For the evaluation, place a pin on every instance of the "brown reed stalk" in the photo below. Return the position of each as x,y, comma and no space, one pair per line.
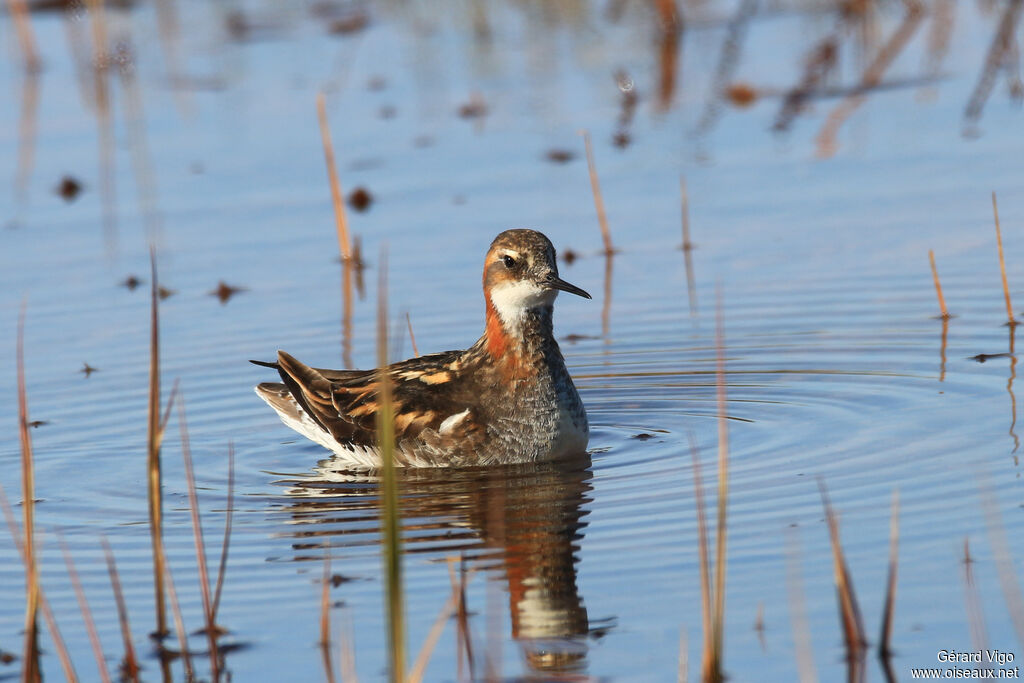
390,517
44,605
702,551
130,665
412,337
197,535
154,435
26,38
340,221
885,637
798,611
595,186
179,626
712,666
1002,264
30,656
325,616
853,626
228,518
938,287
83,606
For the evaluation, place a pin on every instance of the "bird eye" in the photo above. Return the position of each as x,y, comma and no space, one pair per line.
509,261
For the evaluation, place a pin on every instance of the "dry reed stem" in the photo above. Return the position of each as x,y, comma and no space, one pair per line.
340,221
595,186
412,337
26,38
1004,563
691,288
325,616
83,606
938,286
30,653
58,640
853,626
197,535
798,611
154,435
130,665
702,550
975,618
1002,264
228,518
389,494
44,605
885,636
179,626
718,614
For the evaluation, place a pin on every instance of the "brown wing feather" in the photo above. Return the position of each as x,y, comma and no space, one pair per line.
425,391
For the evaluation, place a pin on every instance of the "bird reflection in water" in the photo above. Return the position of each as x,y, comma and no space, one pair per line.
522,524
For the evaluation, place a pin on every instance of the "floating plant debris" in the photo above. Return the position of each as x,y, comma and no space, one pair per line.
69,188
741,94
224,291
569,256
560,156
88,369
360,199
131,282
165,293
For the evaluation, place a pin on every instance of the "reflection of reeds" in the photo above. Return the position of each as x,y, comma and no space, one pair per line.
1001,44
30,656
691,287
872,76
975,619
129,665
885,636
179,626
1002,264
83,606
26,38
944,312
325,615
392,549
419,667
228,517
1012,595
798,611
595,186
197,535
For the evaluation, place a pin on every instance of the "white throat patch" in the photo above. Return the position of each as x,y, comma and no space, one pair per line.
513,299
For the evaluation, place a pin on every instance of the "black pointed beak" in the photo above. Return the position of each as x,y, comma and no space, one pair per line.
558,283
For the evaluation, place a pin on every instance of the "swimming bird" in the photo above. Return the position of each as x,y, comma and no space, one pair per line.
506,399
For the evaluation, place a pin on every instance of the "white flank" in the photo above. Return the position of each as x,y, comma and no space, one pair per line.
452,421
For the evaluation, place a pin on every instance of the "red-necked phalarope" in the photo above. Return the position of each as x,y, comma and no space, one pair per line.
506,399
